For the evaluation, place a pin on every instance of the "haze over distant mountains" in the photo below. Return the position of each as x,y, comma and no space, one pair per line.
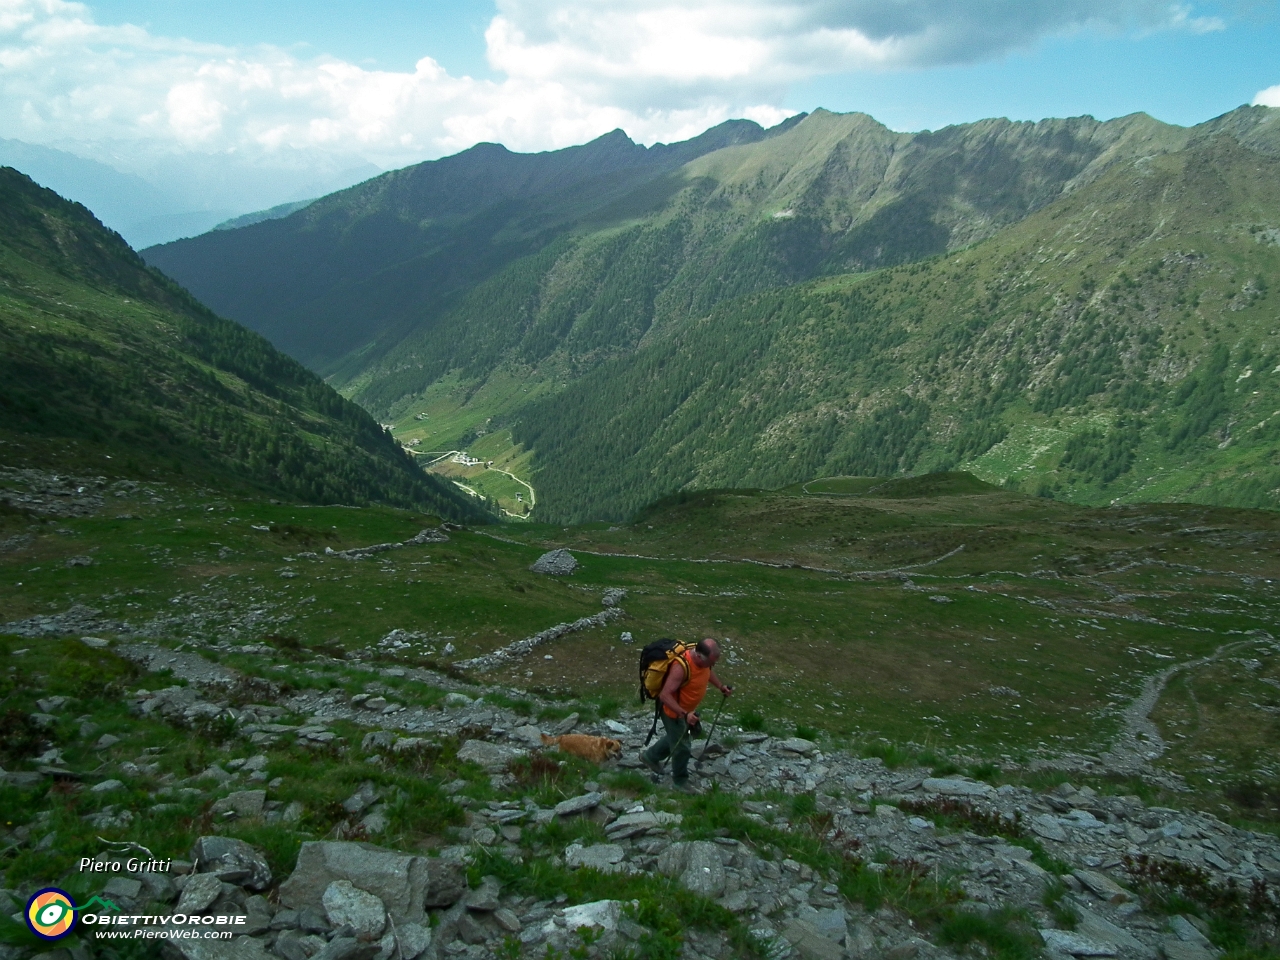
179,197
1078,307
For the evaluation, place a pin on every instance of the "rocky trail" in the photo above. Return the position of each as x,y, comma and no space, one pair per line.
350,898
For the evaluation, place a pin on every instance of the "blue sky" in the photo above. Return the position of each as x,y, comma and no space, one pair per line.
1178,74
242,85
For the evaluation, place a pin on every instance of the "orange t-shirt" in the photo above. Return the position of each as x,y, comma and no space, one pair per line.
694,687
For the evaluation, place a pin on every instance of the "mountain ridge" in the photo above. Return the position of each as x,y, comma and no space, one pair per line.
553,296
104,352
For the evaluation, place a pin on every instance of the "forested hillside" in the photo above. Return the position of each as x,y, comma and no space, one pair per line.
346,279
1121,343
558,260
97,347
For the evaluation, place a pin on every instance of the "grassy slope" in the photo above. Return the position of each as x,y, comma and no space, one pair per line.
1056,615
105,359
835,192
340,282
1119,344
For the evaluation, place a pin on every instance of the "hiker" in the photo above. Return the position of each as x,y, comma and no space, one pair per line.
682,692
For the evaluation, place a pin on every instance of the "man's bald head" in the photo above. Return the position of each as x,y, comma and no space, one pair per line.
709,650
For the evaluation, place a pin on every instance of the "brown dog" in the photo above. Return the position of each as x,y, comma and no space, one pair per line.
595,749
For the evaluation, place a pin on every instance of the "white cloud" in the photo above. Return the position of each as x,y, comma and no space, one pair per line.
754,48
1269,97
573,69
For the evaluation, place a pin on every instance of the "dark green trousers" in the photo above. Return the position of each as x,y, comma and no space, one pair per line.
676,745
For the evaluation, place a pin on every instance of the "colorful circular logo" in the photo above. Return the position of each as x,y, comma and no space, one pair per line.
51,913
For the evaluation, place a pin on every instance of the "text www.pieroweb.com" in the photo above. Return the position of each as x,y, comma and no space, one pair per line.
174,927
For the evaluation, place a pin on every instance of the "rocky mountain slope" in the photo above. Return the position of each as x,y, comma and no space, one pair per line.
794,849
965,721
104,360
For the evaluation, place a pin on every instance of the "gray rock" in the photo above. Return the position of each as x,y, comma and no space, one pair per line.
798,745
313,920
697,864
565,725
527,733
953,787
122,887
604,914
347,948
296,945
241,948
906,950
1183,930
365,797
492,756
243,803
1065,941
470,930
412,940
198,893
579,804
375,822
105,741
605,857
630,825
483,899
1183,950
1170,830
1043,825
507,920
347,905
259,915
106,786
233,861
831,923
1102,886
559,563
405,883
810,942
378,740
160,886
1101,930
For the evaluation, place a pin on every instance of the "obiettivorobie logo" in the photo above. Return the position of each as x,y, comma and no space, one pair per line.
51,913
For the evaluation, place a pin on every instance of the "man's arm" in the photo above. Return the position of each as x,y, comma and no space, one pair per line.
670,694
722,687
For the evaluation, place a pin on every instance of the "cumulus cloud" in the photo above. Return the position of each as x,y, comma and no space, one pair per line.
570,70
717,47
1269,97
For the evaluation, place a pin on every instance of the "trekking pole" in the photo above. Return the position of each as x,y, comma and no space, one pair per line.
714,722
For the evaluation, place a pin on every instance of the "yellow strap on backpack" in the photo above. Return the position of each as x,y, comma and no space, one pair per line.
655,674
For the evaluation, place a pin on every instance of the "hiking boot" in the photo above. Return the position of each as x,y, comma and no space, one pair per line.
654,768
684,786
